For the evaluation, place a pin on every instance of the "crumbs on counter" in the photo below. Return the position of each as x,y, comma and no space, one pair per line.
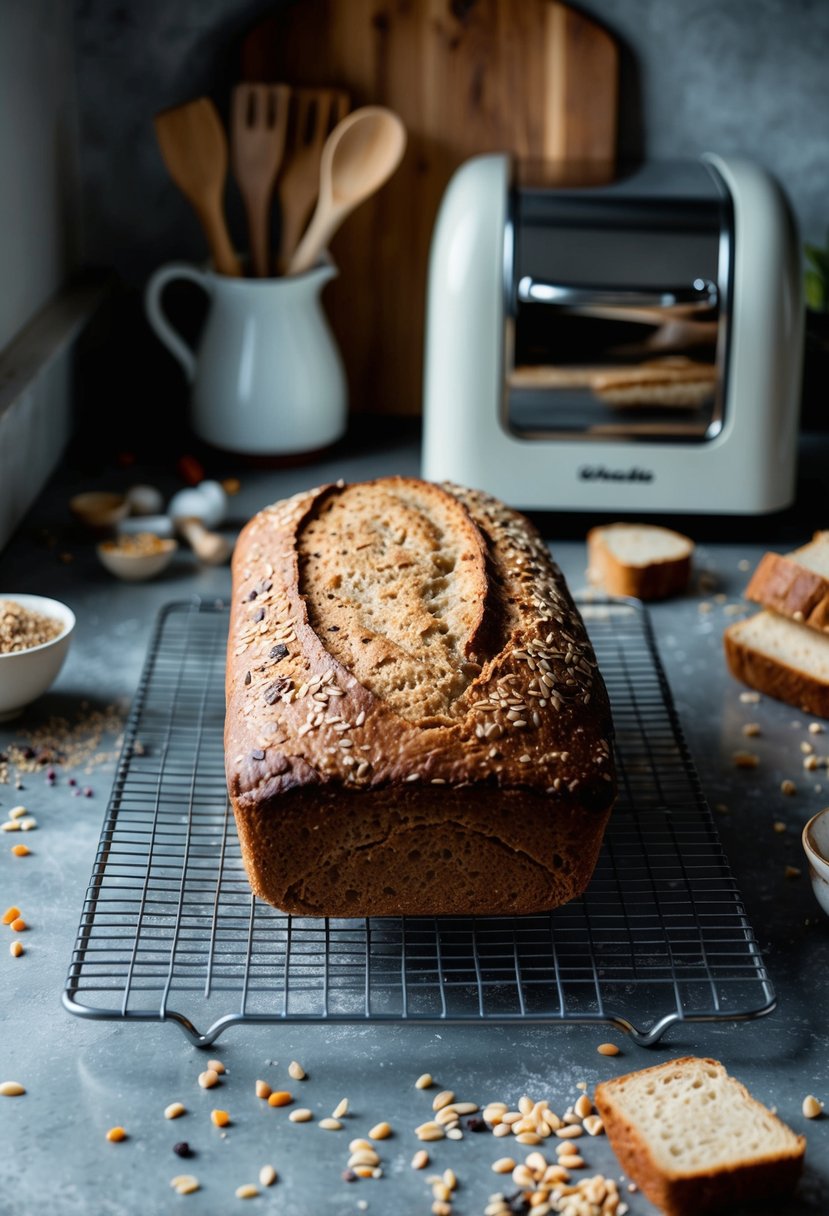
93,738
745,759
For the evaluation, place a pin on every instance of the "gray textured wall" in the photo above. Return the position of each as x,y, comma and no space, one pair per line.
740,76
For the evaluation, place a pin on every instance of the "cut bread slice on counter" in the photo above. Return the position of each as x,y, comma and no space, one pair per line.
642,560
796,584
694,1140
781,658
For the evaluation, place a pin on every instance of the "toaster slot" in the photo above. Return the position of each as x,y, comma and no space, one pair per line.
617,313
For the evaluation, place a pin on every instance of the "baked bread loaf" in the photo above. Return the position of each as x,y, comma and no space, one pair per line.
781,658
694,1140
796,584
642,560
415,721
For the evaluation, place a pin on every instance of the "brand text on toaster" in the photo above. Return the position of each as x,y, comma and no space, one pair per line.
599,472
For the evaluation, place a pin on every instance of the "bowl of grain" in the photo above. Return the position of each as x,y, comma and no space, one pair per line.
34,640
816,848
138,556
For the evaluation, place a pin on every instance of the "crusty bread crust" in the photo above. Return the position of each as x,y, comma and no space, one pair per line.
497,806
715,1190
781,583
773,677
656,581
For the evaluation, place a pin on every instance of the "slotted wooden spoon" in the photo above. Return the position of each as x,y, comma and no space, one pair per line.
194,148
315,113
259,122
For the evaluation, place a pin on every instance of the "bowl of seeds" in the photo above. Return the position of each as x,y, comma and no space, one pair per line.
138,556
34,640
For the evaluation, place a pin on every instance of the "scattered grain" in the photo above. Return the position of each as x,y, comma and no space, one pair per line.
175,1110
607,1049
208,1078
296,1072
504,1165
248,1191
750,698
116,1134
779,826
380,1131
420,1159
217,1066
280,1097
424,1081
19,925
341,1109
745,760
816,728
11,1089
184,1184
812,1107
220,1118
330,1125
788,787
20,850
442,1099
16,949
267,1175
10,914
263,1090
300,1115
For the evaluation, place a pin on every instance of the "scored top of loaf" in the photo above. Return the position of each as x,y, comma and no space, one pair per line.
399,631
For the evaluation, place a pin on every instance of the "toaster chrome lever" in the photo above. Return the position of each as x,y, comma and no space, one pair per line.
702,295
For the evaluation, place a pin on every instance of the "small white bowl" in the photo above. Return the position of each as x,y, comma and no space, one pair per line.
816,848
137,567
27,674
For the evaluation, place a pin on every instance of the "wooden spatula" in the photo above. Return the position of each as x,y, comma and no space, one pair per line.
259,122
194,148
315,113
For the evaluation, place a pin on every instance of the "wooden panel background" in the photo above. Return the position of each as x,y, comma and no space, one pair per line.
532,77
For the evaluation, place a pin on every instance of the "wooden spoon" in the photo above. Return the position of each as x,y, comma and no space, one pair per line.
194,148
315,112
259,121
360,154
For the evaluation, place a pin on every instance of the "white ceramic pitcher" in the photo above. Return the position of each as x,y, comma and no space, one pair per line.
267,378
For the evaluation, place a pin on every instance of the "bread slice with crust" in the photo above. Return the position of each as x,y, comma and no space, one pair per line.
694,1140
642,560
796,584
781,658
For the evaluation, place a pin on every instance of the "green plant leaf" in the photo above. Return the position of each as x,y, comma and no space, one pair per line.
815,288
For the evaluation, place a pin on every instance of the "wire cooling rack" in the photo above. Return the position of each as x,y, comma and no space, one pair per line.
170,930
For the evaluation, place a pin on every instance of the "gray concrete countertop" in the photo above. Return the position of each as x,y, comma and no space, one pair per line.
84,1077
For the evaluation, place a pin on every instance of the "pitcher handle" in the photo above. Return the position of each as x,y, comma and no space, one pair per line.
157,318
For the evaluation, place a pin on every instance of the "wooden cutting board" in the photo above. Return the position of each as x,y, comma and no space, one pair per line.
532,77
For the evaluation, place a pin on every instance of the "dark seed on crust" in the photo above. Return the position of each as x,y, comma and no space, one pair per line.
279,652
274,691
248,678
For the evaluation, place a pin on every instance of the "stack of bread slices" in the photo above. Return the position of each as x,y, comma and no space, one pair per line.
784,650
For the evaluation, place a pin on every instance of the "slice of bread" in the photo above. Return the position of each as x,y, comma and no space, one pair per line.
796,584
781,658
642,560
694,1139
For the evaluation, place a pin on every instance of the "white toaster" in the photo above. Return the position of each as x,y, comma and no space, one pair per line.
634,347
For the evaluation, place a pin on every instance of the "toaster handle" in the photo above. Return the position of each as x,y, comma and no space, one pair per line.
701,296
